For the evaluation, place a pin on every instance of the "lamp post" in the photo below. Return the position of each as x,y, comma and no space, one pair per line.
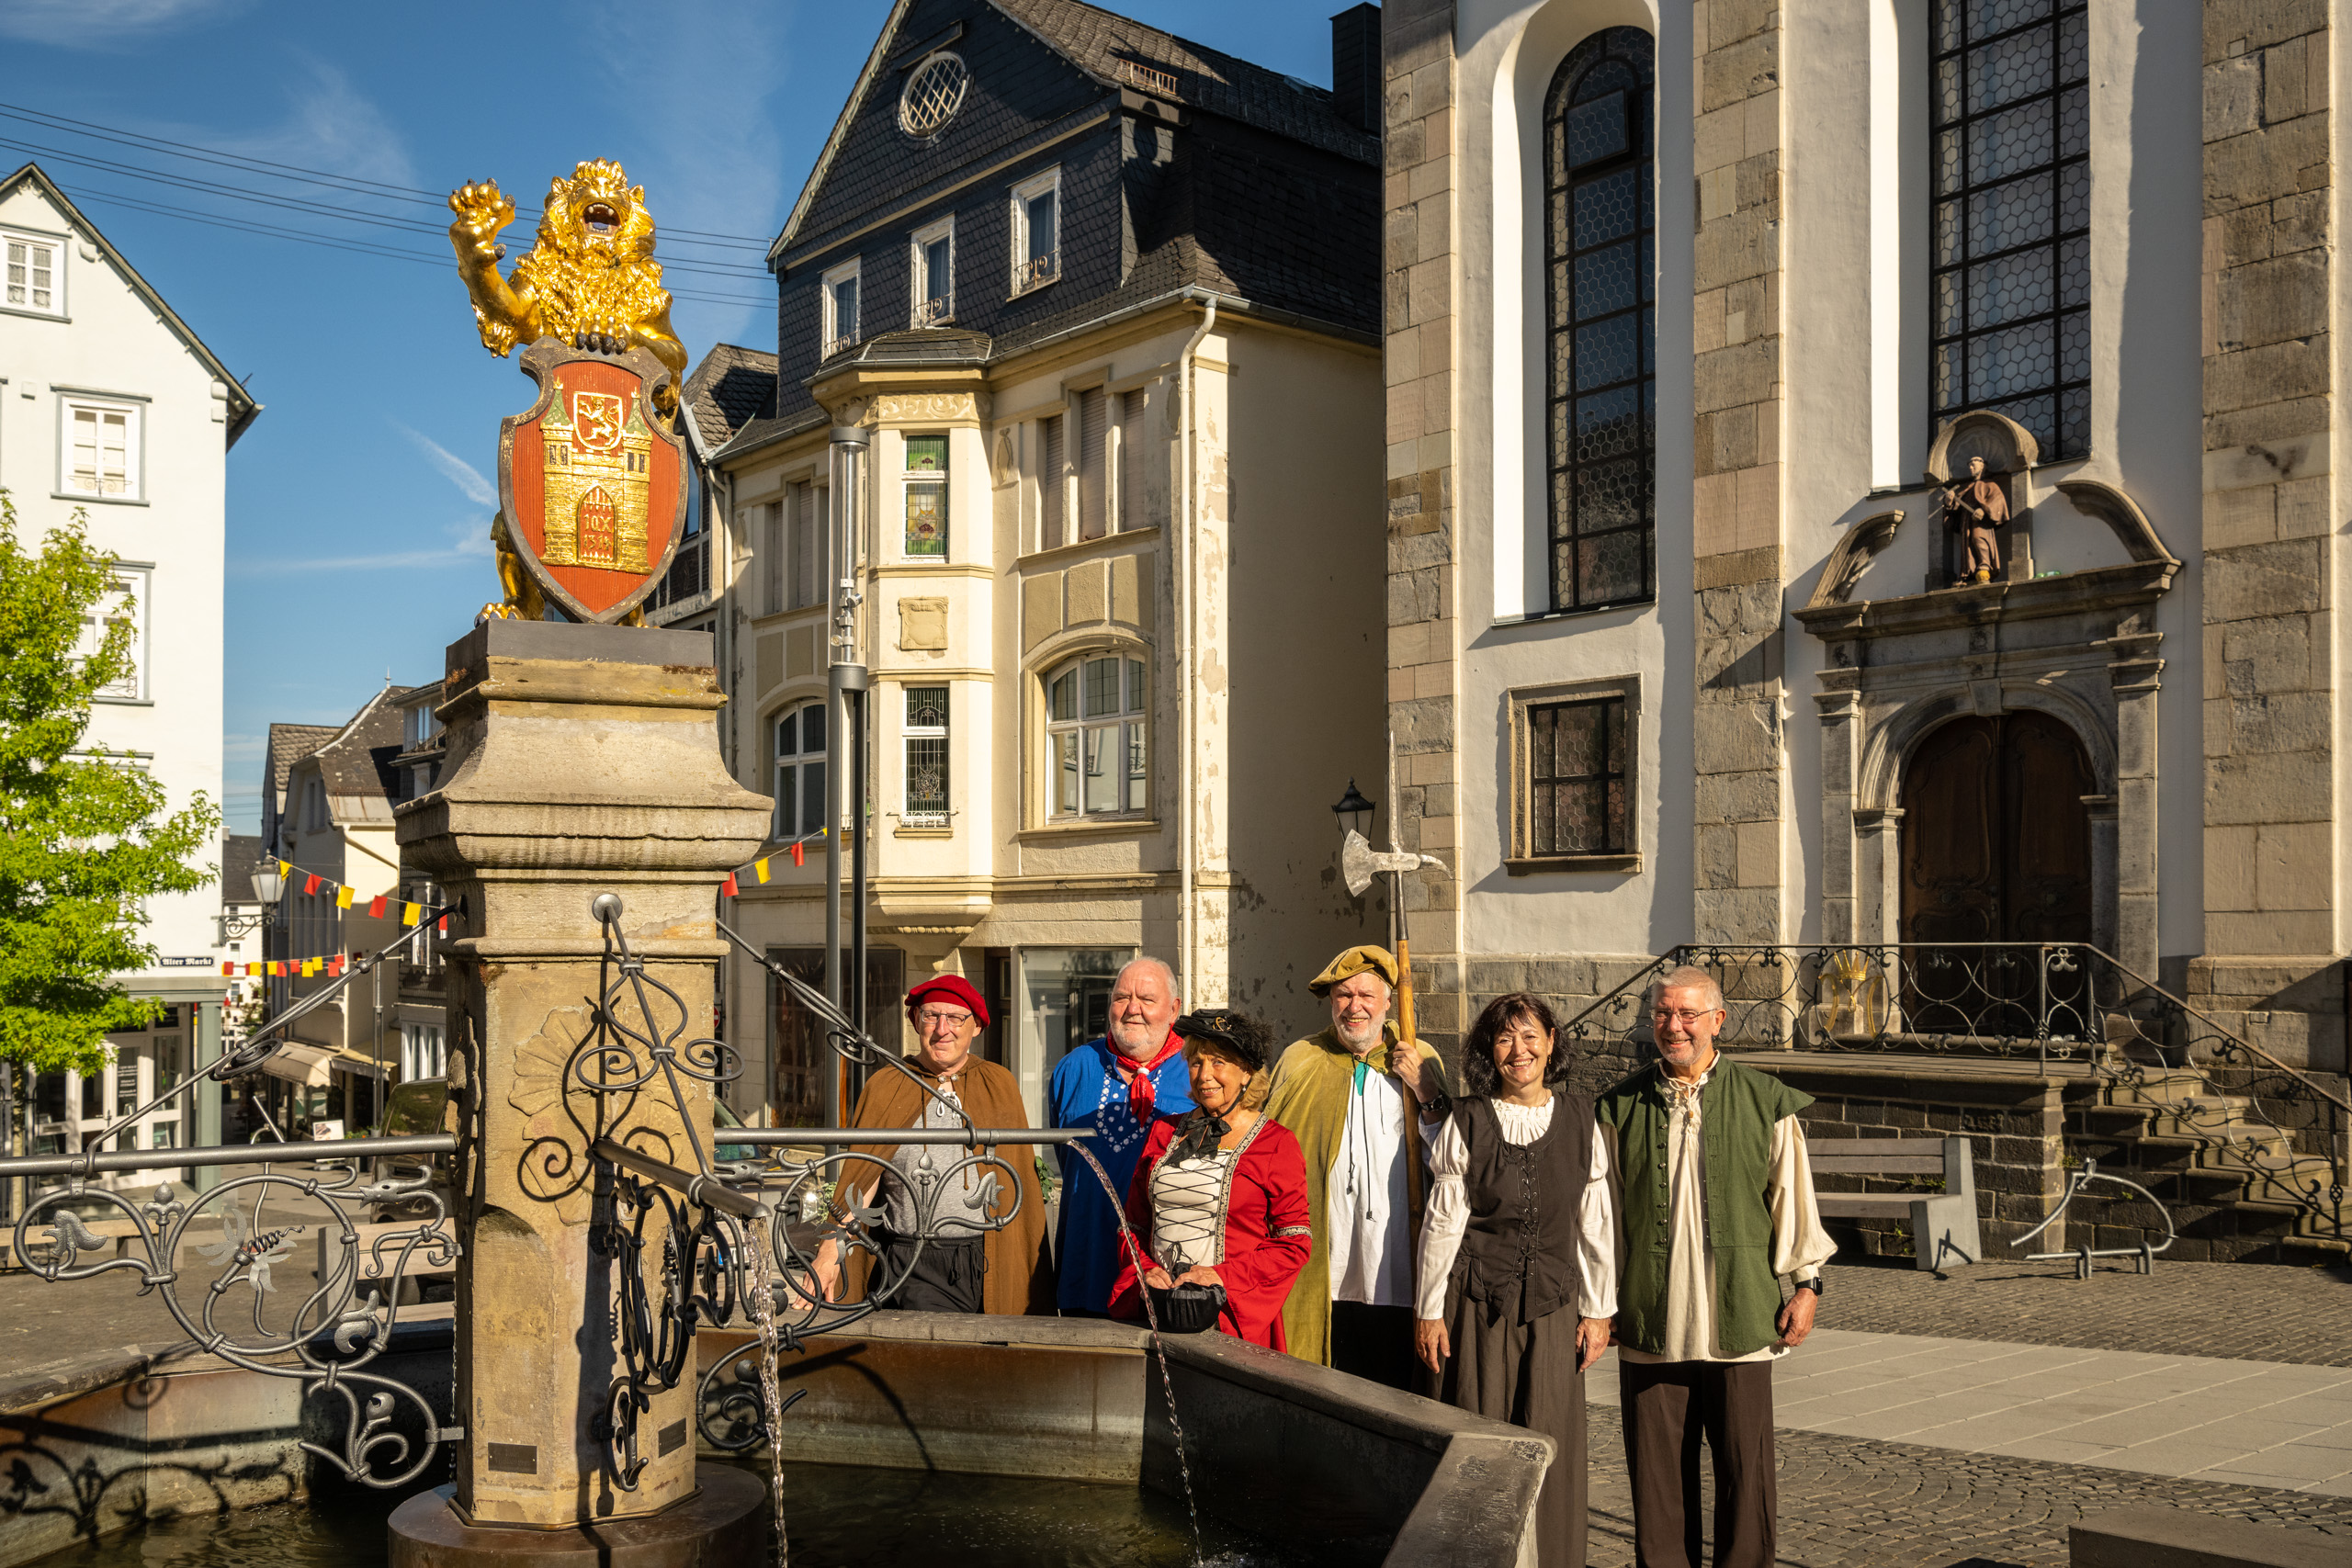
1360,863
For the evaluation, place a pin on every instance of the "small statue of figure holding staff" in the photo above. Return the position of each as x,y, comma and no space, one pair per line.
1980,506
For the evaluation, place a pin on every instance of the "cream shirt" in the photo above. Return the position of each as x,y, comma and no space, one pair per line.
1365,1211
1800,1247
1448,1215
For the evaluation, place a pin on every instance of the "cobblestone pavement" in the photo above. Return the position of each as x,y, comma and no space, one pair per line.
2248,1311
1850,1503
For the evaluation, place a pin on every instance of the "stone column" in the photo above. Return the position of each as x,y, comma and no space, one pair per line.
2272,560
582,760
1738,393
1842,712
2134,674
1421,271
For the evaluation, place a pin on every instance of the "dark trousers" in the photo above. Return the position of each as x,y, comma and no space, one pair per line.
1376,1343
948,1276
1668,1406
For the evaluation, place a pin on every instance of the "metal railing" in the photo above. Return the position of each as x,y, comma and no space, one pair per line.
2062,1005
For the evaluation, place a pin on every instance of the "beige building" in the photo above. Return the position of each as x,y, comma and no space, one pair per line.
1695,316
1080,315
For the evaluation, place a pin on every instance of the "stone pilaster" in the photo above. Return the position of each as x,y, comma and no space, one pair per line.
1419,279
581,760
1738,389
2270,563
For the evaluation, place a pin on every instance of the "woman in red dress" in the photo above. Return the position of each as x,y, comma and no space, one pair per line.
1219,1197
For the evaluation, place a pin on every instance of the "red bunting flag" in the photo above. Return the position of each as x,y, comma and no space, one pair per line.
375,906
312,884
444,925
799,856
228,969
334,965
729,887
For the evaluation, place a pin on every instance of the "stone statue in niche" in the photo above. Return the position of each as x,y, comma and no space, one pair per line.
1976,506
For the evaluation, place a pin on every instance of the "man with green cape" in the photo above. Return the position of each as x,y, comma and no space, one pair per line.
1356,1096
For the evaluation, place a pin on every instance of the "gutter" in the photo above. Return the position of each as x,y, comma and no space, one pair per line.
1187,716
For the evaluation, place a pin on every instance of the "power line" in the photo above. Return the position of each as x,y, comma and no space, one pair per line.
323,209
359,247
353,183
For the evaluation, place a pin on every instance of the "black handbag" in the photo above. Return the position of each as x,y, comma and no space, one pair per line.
1187,1309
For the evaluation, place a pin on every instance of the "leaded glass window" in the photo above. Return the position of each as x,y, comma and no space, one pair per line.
2010,103
1576,778
1601,316
926,737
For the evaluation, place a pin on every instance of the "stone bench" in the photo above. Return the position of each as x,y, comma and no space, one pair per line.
1943,1224
2170,1537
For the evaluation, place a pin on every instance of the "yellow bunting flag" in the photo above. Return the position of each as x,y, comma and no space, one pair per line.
760,869
343,898
285,868
411,913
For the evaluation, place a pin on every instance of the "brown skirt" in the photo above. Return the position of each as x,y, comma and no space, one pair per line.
1526,1373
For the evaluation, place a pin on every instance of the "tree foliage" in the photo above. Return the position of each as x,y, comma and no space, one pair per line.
83,836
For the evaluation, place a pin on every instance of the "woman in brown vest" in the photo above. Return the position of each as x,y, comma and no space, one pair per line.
1518,1278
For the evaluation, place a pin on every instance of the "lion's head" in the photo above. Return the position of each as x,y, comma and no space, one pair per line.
597,216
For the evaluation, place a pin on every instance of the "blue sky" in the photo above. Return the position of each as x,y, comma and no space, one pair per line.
359,502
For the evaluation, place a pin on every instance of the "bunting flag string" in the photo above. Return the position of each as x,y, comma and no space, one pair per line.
759,871
314,883
332,964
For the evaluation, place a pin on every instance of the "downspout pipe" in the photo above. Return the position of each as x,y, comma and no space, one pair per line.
1187,617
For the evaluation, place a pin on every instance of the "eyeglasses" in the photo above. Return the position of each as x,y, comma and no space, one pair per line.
1682,1016
932,1018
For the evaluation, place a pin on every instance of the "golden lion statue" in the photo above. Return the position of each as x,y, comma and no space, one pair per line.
591,281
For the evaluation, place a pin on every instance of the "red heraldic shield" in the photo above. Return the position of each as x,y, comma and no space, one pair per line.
593,479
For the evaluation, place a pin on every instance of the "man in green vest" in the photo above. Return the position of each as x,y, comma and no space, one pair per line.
1718,1202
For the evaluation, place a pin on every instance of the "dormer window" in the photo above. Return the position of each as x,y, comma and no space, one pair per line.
839,290
1037,231
932,269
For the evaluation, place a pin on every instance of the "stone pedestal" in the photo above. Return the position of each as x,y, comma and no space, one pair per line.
582,760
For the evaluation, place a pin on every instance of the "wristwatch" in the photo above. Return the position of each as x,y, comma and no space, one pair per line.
1813,1284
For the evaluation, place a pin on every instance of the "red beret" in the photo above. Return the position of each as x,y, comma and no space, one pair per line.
953,988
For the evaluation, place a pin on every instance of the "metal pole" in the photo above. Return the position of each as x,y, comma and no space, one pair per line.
204,1043
846,675
859,704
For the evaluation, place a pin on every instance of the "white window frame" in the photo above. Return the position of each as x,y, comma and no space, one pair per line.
1026,278
924,310
135,582
1067,738
57,245
798,760
833,334
915,733
70,408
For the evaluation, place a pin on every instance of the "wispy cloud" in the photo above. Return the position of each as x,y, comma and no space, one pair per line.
105,25
455,470
329,124
466,541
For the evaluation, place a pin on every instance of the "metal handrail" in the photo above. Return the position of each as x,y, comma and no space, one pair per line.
834,1136
324,1151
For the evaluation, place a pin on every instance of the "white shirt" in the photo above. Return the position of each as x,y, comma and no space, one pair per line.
1800,1247
1448,1215
1364,1205
1188,1198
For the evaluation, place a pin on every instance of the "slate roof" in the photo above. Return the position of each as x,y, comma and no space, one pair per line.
239,854
760,432
288,744
1096,40
358,763
731,387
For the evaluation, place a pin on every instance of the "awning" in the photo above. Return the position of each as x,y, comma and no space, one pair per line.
301,1063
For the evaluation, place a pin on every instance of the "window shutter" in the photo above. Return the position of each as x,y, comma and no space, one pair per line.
1134,443
1050,481
1093,455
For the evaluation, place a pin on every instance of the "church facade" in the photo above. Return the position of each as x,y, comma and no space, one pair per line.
1863,476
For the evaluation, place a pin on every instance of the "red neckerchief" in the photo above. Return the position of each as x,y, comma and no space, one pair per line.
1143,1094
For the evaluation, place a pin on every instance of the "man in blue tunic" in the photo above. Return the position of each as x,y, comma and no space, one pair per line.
1115,1086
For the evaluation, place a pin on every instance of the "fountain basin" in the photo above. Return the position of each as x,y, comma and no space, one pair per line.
1323,1467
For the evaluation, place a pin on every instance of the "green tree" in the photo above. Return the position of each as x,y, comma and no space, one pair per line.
84,838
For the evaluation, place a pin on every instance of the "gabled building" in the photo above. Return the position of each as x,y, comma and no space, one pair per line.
1076,385
111,406
334,823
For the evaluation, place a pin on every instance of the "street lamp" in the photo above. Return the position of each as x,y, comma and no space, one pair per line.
267,886
1353,811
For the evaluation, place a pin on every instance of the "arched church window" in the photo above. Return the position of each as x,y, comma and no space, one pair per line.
2009,108
1601,321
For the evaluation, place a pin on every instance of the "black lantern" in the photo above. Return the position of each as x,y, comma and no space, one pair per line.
1353,811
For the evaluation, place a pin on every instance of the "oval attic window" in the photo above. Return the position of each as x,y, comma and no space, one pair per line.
933,94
